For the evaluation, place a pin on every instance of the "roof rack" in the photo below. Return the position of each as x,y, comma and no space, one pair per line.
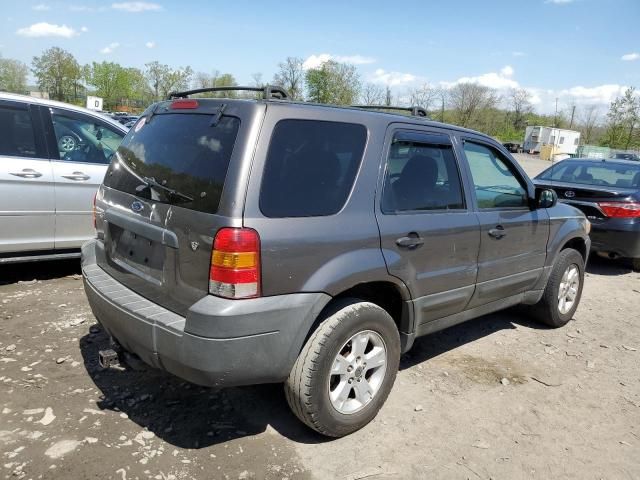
415,110
268,91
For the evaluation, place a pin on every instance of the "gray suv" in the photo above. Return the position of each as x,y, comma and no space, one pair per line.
251,241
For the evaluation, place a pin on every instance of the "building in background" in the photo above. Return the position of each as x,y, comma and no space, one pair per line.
557,140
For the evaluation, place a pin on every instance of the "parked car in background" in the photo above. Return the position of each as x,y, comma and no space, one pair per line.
513,147
608,192
626,156
253,241
53,156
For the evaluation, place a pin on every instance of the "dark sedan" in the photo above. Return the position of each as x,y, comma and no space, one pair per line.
608,192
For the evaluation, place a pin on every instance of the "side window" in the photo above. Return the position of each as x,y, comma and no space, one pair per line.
310,168
496,185
83,139
421,177
17,138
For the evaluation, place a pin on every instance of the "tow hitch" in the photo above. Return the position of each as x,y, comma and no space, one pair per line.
108,358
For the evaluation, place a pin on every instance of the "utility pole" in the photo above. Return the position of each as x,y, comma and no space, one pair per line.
555,118
573,112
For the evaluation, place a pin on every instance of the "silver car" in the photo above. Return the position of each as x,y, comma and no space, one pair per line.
53,157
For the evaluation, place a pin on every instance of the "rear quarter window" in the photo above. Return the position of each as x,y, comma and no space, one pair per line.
310,168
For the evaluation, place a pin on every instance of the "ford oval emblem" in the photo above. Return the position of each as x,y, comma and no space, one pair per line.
569,194
137,206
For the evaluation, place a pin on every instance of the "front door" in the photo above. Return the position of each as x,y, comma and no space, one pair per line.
27,208
513,236
429,236
81,152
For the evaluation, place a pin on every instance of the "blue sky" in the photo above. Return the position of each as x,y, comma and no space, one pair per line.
585,51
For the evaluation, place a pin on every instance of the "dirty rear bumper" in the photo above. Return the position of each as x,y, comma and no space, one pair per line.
219,343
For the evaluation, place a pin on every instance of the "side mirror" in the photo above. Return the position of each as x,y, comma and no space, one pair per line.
546,198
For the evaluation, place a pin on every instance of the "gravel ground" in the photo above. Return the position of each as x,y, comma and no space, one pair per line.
498,397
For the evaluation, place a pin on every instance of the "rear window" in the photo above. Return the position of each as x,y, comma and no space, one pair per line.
311,166
182,152
594,173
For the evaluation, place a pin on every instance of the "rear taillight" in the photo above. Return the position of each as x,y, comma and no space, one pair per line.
620,209
235,264
187,104
93,210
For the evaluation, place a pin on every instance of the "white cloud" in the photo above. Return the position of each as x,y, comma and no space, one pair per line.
136,7
498,80
41,7
150,44
109,48
84,29
559,2
314,61
354,59
44,29
603,94
630,57
85,8
393,79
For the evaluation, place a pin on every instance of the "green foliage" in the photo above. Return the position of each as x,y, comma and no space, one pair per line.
57,73
334,83
623,121
163,79
13,76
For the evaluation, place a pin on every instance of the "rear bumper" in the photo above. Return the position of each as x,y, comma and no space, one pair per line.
623,239
219,343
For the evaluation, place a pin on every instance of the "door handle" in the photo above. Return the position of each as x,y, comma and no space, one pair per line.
497,232
410,241
77,176
26,173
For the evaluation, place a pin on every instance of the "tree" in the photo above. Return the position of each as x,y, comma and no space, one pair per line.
468,99
588,122
291,77
333,82
423,96
622,120
111,81
13,76
372,94
163,79
57,72
520,106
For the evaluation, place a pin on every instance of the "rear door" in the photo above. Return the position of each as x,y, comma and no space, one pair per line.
26,181
159,243
513,236
430,237
80,147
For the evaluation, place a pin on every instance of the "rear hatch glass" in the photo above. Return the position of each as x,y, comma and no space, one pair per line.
179,159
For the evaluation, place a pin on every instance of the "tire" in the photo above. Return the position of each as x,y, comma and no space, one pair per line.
67,143
312,391
549,310
635,264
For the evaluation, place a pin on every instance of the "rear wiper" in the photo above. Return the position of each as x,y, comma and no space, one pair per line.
152,182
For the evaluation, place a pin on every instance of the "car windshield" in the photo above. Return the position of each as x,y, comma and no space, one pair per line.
594,173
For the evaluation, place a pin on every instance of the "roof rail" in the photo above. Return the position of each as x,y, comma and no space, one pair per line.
268,91
415,110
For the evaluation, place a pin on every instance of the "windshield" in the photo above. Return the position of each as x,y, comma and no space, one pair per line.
175,158
594,173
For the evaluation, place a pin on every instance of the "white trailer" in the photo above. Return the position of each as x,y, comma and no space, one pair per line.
562,141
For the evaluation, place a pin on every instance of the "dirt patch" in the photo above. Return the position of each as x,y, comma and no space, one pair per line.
570,409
